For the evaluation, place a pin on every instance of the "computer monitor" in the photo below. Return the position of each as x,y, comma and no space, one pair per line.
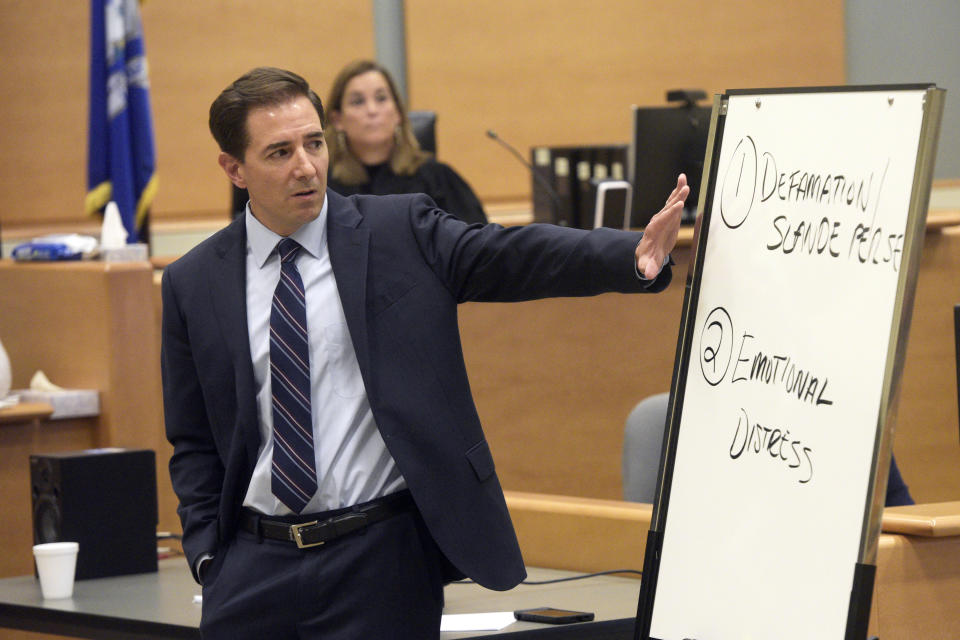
666,141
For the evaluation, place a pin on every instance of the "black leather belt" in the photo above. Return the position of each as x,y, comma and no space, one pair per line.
313,530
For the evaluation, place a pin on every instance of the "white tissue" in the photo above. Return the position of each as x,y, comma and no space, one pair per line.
40,382
112,233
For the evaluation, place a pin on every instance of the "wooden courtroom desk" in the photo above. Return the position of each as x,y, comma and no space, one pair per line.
160,605
18,440
25,412
916,591
917,585
87,325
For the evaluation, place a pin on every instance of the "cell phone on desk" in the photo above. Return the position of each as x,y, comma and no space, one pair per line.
550,615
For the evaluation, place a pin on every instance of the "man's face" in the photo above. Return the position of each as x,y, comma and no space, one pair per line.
284,168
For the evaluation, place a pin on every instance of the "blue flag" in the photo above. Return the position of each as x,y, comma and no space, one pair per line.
120,152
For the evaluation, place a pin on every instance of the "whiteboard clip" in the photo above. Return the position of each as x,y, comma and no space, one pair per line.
757,103
890,101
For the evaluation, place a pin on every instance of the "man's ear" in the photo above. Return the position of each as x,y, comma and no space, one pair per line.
233,168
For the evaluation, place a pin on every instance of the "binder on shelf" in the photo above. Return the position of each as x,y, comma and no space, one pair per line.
563,185
586,192
606,162
543,203
573,171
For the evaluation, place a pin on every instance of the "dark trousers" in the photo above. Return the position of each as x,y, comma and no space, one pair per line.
384,581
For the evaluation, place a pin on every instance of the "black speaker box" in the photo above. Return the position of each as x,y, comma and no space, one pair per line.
104,499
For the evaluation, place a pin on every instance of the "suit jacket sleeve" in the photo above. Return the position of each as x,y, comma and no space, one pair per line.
497,264
196,469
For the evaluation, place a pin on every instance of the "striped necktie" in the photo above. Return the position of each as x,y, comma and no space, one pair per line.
294,472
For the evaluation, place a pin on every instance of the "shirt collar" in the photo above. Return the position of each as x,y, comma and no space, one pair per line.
261,241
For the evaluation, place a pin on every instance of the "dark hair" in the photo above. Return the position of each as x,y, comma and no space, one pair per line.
344,166
260,87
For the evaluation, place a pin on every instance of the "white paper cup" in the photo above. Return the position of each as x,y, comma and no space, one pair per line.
56,565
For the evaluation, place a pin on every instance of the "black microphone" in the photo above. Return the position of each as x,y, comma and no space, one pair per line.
554,196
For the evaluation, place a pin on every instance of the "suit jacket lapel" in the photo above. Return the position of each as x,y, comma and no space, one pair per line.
348,242
228,294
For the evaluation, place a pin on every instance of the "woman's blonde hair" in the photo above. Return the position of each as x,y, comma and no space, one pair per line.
407,156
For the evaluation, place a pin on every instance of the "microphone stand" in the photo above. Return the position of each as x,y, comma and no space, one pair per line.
554,196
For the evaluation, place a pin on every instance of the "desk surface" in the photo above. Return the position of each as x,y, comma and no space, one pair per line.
934,520
159,605
25,412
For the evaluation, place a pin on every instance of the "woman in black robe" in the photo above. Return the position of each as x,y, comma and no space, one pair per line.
373,149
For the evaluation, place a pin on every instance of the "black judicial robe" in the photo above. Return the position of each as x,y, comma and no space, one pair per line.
448,190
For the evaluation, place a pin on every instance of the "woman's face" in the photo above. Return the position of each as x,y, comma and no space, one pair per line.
369,115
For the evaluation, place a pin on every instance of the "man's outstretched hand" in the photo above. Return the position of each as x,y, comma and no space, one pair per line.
660,234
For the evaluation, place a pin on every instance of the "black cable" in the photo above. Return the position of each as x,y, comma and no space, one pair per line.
567,579
581,577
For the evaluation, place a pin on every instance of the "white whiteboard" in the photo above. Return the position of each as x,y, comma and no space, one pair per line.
786,367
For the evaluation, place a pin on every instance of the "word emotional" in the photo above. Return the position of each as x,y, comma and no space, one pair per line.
779,369
717,343
813,212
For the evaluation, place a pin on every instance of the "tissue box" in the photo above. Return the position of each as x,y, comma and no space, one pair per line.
127,253
69,403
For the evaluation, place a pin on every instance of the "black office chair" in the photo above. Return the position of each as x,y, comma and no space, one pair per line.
642,443
424,124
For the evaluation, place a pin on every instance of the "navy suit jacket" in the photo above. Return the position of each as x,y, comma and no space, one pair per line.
402,266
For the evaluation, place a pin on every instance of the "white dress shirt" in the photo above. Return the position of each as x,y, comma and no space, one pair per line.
352,461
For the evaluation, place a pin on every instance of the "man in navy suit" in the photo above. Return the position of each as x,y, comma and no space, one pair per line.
405,497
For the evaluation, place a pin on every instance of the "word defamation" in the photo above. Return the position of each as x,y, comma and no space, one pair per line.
800,185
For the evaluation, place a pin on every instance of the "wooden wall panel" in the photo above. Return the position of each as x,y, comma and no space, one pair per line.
539,72
566,71
44,46
194,50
